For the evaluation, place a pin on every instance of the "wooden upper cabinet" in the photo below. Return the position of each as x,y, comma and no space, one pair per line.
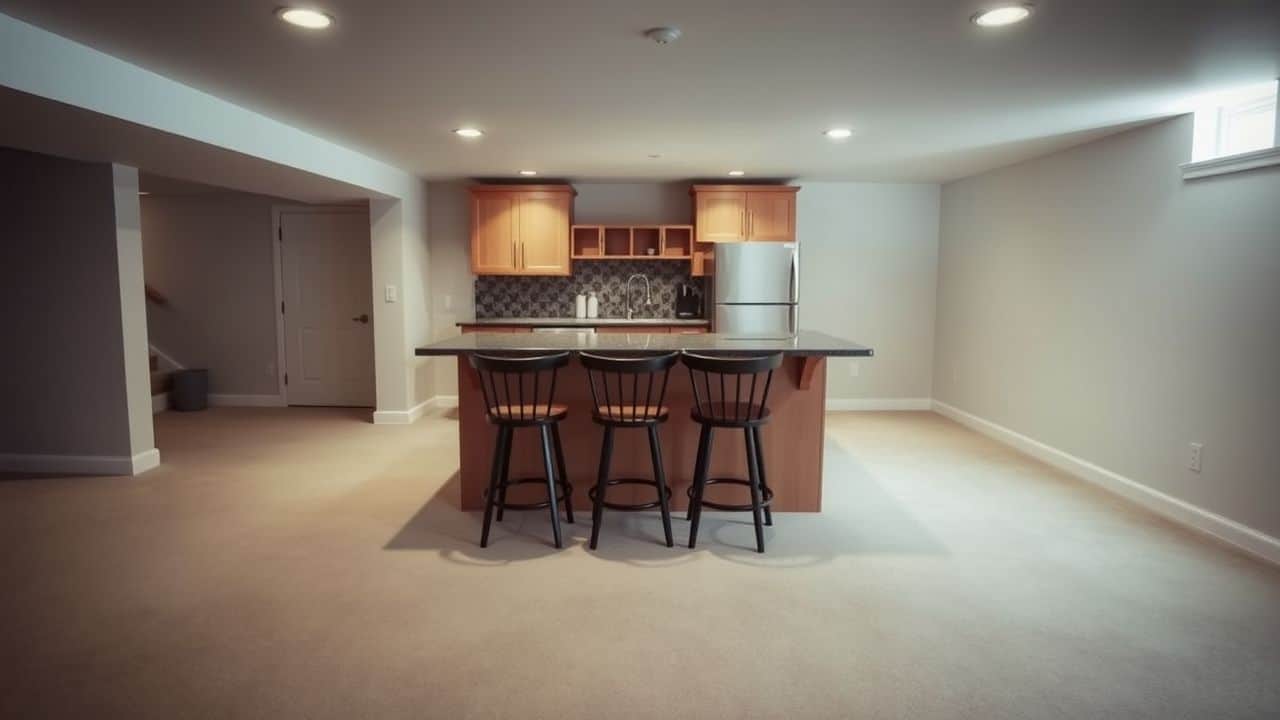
493,233
543,228
771,216
751,213
520,229
721,215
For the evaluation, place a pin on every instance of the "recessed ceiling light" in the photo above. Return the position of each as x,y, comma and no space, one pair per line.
654,156
1002,15
468,132
305,18
737,173
528,173
838,133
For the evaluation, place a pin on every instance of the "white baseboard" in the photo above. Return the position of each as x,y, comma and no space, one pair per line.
82,464
222,400
839,404
159,403
1179,511
413,414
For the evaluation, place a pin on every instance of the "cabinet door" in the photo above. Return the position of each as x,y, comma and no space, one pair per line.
771,216
721,216
493,233
543,232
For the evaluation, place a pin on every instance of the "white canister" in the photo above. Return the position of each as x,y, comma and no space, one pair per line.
580,306
593,306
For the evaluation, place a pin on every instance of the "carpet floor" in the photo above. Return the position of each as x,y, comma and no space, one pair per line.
301,563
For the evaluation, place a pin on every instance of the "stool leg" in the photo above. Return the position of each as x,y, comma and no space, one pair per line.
660,477
764,484
699,484
703,436
505,471
602,484
754,473
564,475
491,497
549,467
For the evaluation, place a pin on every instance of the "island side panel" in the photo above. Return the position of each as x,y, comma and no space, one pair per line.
793,443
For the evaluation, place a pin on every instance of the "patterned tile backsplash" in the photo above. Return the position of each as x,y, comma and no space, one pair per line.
499,296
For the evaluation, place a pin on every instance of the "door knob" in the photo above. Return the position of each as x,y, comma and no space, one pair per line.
362,319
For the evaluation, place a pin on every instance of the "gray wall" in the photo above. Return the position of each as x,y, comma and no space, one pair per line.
211,256
1094,301
64,378
868,272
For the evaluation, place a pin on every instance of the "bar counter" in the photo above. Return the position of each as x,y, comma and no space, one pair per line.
793,439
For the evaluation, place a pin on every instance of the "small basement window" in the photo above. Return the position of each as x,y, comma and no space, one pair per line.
1235,131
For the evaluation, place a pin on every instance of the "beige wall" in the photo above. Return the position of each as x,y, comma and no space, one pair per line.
74,385
868,273
401,257
1095,302
211,256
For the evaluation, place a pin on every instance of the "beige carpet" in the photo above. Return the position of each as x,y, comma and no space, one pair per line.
301,563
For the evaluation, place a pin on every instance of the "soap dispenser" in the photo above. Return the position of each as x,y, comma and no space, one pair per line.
593,305
580,305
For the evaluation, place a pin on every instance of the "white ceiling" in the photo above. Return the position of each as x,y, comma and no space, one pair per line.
571,88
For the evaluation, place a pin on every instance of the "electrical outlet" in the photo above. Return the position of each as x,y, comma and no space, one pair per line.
1193,456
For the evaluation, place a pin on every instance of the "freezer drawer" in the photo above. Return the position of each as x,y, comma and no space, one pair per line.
777,321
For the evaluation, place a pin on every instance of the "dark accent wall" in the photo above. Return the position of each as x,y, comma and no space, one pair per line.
500,296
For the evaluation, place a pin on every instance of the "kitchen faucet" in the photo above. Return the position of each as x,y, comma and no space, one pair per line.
648,299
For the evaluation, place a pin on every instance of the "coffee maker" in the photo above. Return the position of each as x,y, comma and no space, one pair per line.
688,302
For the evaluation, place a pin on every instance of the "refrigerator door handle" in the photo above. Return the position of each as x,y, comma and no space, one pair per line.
795,277
793,320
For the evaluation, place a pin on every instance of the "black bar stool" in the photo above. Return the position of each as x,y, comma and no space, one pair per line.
520,392
628,393
719,401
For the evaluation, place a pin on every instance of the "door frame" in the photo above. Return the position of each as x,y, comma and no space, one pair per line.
277,272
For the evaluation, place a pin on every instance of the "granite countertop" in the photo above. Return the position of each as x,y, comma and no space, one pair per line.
585,322
806,342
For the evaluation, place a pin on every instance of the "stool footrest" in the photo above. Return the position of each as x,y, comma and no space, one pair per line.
565,491
765,500
591,493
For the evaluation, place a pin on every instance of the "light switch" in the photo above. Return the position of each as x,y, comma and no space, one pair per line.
390,294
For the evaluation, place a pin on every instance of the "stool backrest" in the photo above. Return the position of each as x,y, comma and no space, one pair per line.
731,389
628,389
518,389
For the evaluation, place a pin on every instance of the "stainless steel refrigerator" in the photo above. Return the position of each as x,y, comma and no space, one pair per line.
757,289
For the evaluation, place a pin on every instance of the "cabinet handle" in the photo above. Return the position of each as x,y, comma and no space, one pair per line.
515,260
524,263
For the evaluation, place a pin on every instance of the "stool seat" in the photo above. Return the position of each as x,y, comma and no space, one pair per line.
638,414
529,413
731,414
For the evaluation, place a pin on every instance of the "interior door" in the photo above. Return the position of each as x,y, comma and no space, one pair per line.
493,235
721,216
771,216
327,277
543,232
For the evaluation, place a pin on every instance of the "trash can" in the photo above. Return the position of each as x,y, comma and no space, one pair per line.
190,390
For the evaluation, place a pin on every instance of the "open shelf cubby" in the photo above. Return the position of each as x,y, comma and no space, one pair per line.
586,241
617,242
645,241
677,241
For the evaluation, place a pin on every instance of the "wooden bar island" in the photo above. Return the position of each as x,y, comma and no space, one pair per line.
793,439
